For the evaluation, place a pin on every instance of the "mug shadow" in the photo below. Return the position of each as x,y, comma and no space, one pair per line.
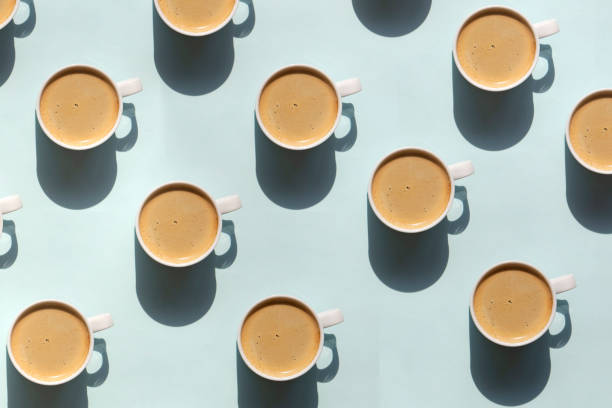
588,195
196,65
257,392
7,43
514,376
391,18
412,262
497,120
298,179
180,296
8,258
80,179
22,393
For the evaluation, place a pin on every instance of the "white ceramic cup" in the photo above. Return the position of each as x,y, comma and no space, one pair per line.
122,89
598,93
222,205
343,88
454,172
10,17
540,30
94,324
556,285
9,204
325,319
193,33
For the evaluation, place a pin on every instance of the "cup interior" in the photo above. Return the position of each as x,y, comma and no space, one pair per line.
7,17
193,33
280,300
49,304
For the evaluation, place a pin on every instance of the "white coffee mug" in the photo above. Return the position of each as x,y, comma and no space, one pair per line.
324,319
195,33
454,172
342,88
556,285
539,30
222,205
11,15
94,324
598,93
9,204
122,89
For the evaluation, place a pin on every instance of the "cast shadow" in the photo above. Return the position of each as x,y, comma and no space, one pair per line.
180,296
514,376
298,179
257,392
197,65
73,394
589,195
80,179
497,120
391,18
412,262
7,43
8,258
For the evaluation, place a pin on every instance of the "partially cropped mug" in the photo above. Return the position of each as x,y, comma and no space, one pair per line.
513,303
8,9
299,106
411,189
79,107
179,223
496,48
50,342
9,204
281,338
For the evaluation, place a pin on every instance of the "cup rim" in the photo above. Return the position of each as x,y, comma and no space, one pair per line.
519,81
203,255
192,33
305,369
11,15
570,146
34,379
552,312
405,150
316,142
96,143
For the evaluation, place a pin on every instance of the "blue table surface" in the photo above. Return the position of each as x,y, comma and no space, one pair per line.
305,228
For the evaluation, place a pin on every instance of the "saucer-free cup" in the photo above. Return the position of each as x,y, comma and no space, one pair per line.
122,89
94,324
454,172
325,319
9,204
598,93
195,33
540,30
556,285
11,15
343,88
223,205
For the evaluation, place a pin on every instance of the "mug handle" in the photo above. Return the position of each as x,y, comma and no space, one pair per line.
228,204
348,86
129,87
461,169
330,318
546,28
100,322
563,283
9,204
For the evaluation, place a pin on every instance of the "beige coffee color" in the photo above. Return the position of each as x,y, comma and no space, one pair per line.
178,223
411,190
196,16
496,48
280,338
6,9
513,304
590,131
79,107
50,342
298,106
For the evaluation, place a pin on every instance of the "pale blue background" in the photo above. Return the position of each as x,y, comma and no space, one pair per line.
305,229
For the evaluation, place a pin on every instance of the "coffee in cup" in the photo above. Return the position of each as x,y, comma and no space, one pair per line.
7,9
589,133
197,16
